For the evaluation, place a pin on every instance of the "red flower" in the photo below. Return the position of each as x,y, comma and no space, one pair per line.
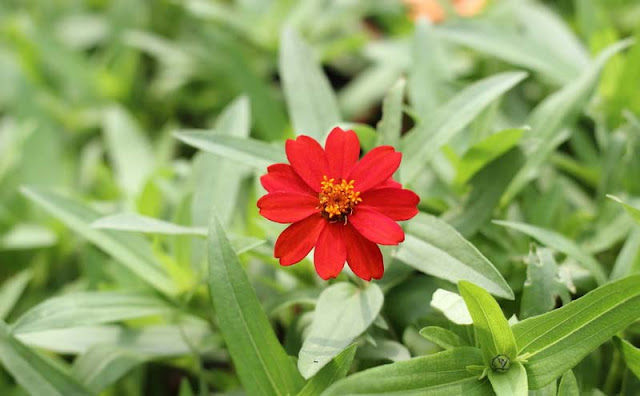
340,205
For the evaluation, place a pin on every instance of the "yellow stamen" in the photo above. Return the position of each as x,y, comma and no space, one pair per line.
337,200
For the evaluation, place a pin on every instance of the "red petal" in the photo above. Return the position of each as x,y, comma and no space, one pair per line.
363,256
308,160
375,167
376,227
396,203
282,177
287,207
389,183
296,241
331,251
342,150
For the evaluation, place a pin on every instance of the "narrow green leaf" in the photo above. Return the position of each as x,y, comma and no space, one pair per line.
452,306
442,373
89,308
630,354
568,385
628,260
129,250
543,284
11,290
492,330
632,210
430,136
255,153
435,248
332,372
33,372
262,364
485,151
342,313
513,382
390,126
27,236
310,99
444,338
128,148
103,365
558,340
550,117
562,244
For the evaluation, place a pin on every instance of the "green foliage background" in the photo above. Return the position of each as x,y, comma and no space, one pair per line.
133,260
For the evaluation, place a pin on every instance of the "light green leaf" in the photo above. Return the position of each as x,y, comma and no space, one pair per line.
452,306
11,290
262,364
513,382
33,372
89,308
444,338
332,372
550,117
558,340
439,374
129,150
543,284
129,250
430,136
485,151
435,248
156,340
568,384
632,210
628,260
562,244
310,99
630,354
27,236
342,313
384,350
255,153
492,330
390,126
103,365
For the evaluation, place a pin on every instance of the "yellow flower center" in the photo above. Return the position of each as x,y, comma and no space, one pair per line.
337,199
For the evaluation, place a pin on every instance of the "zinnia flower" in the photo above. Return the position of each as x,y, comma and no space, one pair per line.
432,10
342,206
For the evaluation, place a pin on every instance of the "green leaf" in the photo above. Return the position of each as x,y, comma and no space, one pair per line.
442,374
632,210
513,382
558,340
252,152
390,126
310,99
492,330
103,365
342,313
630,354
430,136
89,308
562,244
550,118
543,284
628,260
262,364
332,372
35,374
435,248
485,151
129,150
129,250
11,290
444,338
568,384
452,306
383,350
27,236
